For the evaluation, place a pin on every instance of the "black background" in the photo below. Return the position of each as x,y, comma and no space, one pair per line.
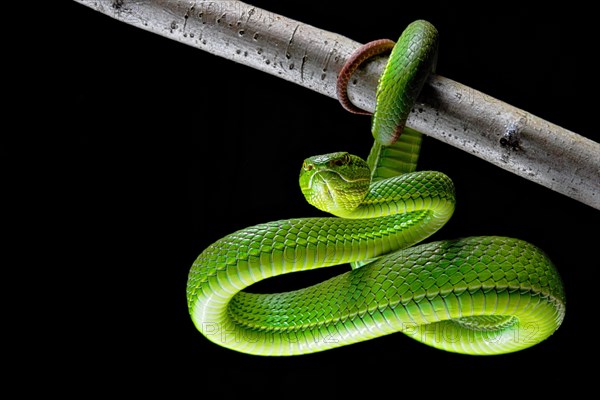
175,148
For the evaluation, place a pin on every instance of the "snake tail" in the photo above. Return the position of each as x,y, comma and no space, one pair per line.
359,56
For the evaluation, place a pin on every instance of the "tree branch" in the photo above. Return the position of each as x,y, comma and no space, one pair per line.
503,135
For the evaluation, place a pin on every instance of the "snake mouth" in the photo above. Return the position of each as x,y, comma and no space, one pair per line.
327,185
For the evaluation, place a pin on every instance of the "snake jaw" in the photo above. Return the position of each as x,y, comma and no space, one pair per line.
318,191
318,187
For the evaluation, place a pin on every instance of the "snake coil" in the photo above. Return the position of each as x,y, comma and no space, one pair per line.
478,295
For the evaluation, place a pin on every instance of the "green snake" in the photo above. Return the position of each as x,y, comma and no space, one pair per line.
476,295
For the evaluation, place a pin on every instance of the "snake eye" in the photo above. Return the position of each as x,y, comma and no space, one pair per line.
343,160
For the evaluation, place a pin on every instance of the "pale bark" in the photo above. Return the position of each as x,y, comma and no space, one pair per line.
503,135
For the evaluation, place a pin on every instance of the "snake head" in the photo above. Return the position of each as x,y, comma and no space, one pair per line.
336,182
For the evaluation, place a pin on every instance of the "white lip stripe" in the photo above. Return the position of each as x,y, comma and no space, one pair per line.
310,181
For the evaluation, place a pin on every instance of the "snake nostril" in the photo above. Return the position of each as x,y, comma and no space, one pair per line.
307,166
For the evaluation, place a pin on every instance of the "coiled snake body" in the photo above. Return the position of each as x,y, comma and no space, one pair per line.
478,295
